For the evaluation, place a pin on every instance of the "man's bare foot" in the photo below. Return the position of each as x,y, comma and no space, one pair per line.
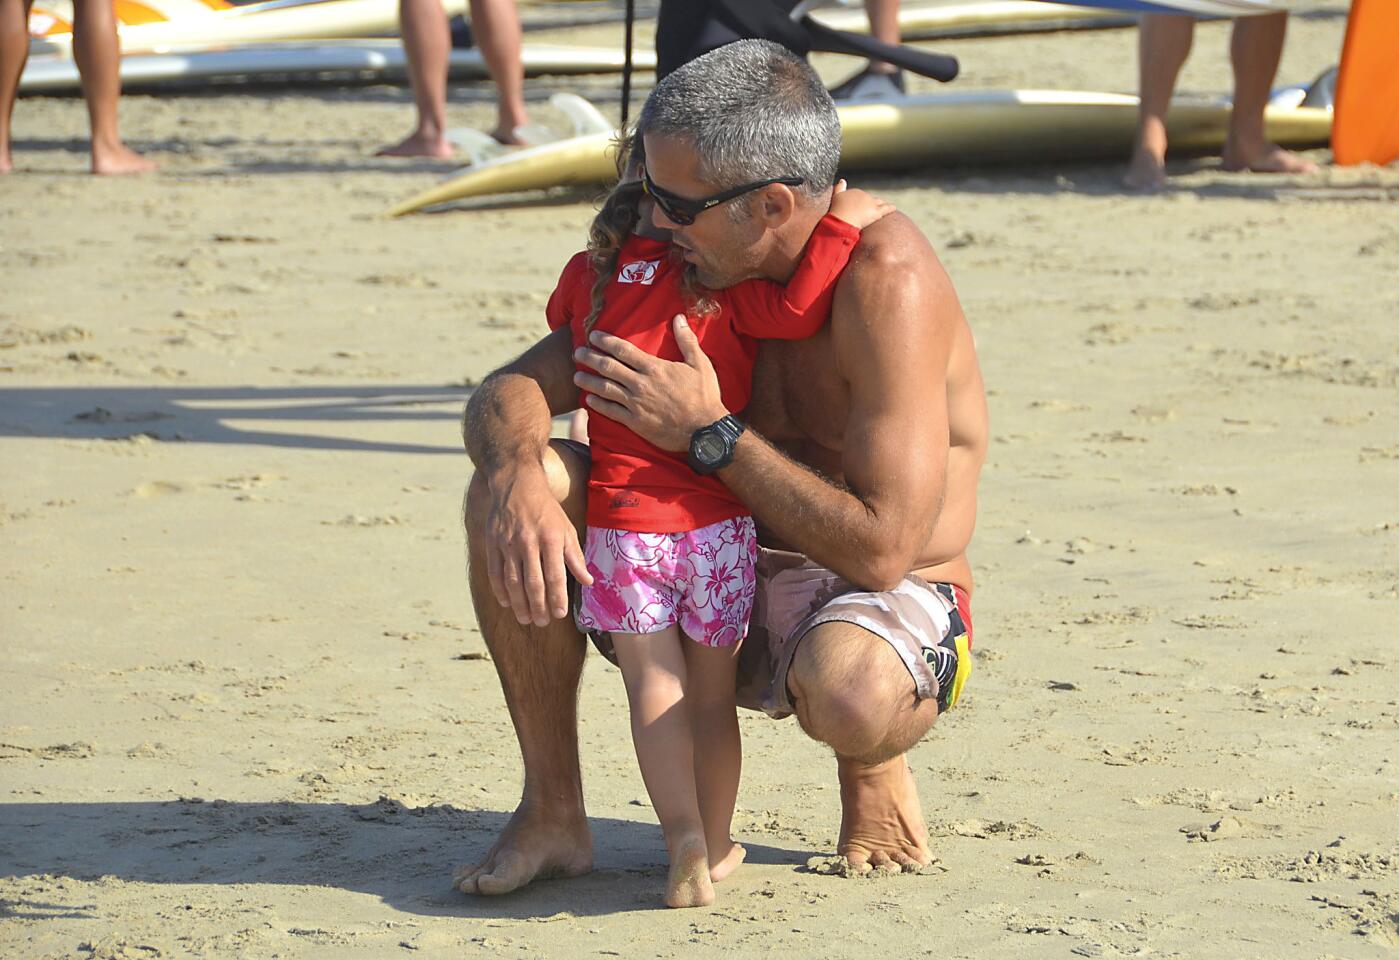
118,159
533,846
688,884
6,165
1146,172
418,145
881,822
1266,158
723,866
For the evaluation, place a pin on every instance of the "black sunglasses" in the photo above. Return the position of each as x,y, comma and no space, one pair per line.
683,211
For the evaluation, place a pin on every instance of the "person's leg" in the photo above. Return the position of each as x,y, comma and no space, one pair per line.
877,80
539,670
98,54
884,25
718,749
496,26
1255,50
653,666
14,51
1162,46
853,693
427,40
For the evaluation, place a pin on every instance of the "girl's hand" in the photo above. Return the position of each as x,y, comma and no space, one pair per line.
858,208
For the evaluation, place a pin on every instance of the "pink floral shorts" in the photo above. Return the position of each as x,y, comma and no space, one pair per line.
644,582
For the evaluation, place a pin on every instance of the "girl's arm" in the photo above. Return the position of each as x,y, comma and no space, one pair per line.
799,308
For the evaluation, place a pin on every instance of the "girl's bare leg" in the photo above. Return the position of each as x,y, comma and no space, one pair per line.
709,691
653,666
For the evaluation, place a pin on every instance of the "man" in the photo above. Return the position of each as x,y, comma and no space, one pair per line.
862,450
98,53
1255,50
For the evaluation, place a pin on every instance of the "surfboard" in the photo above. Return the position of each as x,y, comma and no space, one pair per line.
977,126
50,18
54,73
272,20
1367,86
965,18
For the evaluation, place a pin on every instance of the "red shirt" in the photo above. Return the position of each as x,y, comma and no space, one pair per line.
634,485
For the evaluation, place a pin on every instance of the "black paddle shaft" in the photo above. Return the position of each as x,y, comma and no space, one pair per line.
761,18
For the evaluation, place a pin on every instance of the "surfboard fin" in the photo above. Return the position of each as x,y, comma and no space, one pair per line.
585,117
1322,92
476,144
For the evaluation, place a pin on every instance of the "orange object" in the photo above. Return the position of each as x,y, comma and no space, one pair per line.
1366,128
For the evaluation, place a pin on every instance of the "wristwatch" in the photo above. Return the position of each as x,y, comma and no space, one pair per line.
712,447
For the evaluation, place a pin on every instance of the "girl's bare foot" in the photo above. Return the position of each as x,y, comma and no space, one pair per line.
723,866
688,884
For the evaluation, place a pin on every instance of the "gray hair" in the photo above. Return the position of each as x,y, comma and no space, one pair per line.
752,110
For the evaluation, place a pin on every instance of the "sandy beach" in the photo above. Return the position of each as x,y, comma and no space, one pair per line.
245,709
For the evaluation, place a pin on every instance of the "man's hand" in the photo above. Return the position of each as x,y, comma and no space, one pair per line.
663,401
530,546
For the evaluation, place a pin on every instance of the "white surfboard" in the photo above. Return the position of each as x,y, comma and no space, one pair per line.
274,20
976,126
363,58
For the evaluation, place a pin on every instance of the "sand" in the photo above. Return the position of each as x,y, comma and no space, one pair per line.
245,708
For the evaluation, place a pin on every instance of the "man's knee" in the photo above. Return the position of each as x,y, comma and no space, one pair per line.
853,693
565,464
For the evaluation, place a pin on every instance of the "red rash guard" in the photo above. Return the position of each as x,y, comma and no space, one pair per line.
634,485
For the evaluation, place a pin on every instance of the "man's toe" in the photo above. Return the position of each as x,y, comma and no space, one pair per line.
509,873
466,879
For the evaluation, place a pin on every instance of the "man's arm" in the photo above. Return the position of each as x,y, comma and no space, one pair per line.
891,326
530,541
893,321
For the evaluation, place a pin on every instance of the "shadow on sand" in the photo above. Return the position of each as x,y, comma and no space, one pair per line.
208,414
403,855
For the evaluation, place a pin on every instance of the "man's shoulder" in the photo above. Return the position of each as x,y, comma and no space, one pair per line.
892,244
894,279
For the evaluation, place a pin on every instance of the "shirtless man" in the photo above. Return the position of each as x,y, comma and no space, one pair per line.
862,450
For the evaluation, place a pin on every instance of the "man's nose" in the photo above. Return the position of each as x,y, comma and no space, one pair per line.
660,220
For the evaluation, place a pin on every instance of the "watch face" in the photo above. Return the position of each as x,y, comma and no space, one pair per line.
710,447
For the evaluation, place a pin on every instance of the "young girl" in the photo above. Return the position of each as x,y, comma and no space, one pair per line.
672,552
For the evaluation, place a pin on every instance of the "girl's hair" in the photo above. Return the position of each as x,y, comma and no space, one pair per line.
615,222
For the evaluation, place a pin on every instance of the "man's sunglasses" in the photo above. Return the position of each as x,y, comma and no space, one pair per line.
683,211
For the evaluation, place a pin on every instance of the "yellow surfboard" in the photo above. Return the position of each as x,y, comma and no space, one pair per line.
976,126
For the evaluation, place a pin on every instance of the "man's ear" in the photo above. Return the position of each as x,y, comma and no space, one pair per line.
776,205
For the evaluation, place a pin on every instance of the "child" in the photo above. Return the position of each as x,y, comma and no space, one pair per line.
673,552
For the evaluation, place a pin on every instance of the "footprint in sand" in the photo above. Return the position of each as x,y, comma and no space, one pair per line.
157,488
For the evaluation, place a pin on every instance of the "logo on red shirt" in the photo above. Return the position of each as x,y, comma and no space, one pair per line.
638,271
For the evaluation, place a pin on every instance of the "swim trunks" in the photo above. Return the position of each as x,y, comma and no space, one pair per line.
927,624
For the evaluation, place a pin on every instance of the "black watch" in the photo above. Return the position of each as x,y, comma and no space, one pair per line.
712,447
